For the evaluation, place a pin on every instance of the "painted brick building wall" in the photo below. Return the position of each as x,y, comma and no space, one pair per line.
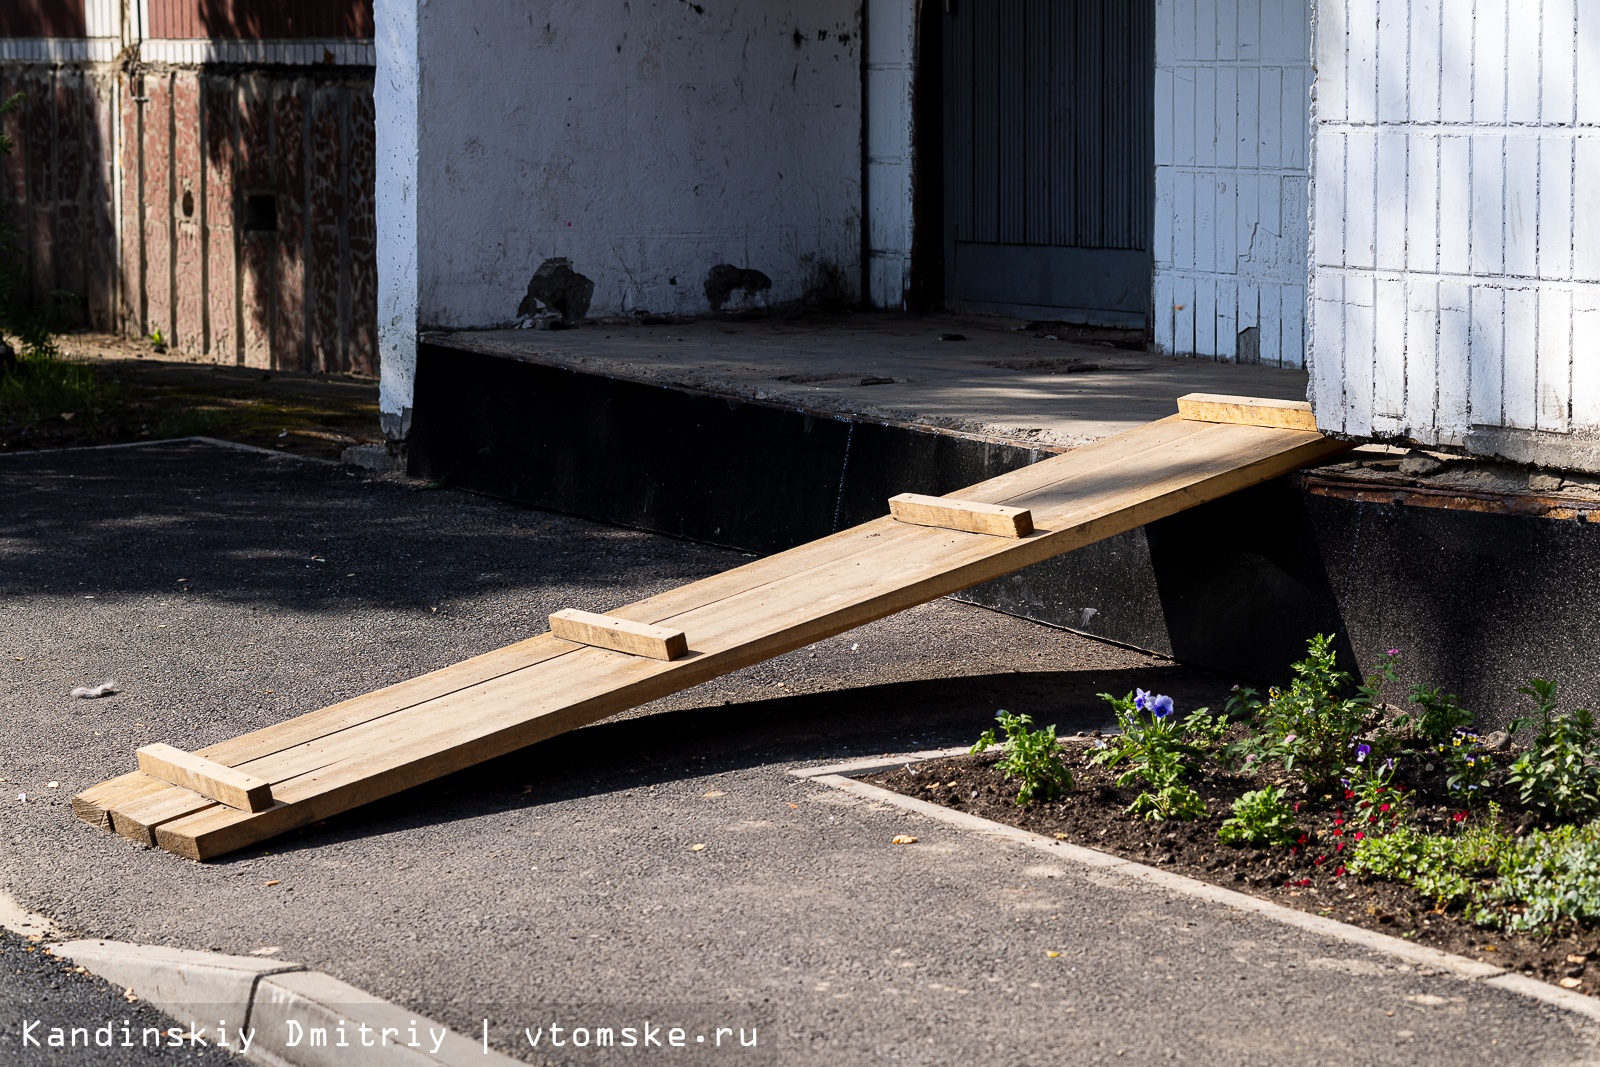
56,186
216,188
248,231
1456,228
1233,81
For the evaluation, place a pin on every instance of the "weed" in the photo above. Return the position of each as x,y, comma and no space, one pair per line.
1031,755
1260,817
1558,773
42,387
1441,716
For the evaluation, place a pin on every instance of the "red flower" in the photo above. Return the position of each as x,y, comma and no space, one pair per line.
1349,794
1359,835
1339,847
1339,873
1460,816
1383,807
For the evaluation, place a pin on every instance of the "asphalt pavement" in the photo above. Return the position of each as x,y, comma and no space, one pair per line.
224,590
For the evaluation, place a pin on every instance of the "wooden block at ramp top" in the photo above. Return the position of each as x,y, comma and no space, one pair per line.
619,635
996,519
1247,411
215,781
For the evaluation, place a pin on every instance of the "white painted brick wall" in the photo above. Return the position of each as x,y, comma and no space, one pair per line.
891,54
645,144
1232,102
1456,233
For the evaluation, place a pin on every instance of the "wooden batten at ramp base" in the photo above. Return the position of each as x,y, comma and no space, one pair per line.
592,667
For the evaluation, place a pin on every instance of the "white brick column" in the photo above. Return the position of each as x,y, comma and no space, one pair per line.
397,92
1456,225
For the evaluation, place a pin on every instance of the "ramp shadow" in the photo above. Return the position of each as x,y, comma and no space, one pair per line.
668,746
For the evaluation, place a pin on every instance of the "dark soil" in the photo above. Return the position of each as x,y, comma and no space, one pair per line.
1093,815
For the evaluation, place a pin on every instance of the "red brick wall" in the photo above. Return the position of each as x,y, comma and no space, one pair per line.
55,187
209,153
43,18
257,19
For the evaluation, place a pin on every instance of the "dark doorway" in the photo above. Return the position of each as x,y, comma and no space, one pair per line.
1049,158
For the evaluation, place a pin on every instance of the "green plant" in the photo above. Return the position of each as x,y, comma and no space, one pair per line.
1031,755
1156,746
1558,773
1441,716
1545,878
1260,817
1309,726
155,337
1380,804
1447,868
1467,766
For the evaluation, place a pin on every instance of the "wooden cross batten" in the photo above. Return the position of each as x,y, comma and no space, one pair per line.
261,784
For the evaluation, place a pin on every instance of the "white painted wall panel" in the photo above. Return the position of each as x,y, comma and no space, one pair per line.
646,143
1232,150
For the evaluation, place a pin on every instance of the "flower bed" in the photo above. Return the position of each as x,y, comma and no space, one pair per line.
1324,797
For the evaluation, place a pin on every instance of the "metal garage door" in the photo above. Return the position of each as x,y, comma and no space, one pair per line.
1050,158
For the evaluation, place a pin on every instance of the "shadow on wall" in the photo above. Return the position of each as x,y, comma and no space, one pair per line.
249,233
55,190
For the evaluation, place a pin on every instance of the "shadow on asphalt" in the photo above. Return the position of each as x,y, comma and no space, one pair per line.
279,532
670,746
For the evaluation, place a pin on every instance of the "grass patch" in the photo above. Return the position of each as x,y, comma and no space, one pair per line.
41,389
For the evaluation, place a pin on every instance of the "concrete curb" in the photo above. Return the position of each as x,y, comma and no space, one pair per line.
1181,885
215,442
212,991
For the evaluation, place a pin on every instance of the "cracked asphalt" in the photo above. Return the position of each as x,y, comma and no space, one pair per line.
224,590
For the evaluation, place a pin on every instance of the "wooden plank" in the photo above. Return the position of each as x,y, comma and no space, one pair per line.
378,744
618,635
967,515
224,784
885,550
1281,414
780,597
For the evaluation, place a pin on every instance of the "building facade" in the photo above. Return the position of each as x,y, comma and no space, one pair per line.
201,170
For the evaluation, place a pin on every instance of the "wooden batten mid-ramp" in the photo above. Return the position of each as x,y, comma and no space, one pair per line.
261,784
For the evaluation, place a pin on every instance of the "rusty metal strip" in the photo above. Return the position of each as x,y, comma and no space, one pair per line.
1524,505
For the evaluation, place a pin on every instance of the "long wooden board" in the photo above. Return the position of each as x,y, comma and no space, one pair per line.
378,744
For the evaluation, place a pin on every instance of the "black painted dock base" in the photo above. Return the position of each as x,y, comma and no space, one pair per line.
1477,601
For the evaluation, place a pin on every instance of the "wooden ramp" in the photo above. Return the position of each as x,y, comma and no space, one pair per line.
254,787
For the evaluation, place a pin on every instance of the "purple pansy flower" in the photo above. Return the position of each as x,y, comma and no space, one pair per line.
1362,752
1161,706
1141,699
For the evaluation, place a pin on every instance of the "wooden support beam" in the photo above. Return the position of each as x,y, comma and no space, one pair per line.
215,781
619,635
967,515
1247,411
